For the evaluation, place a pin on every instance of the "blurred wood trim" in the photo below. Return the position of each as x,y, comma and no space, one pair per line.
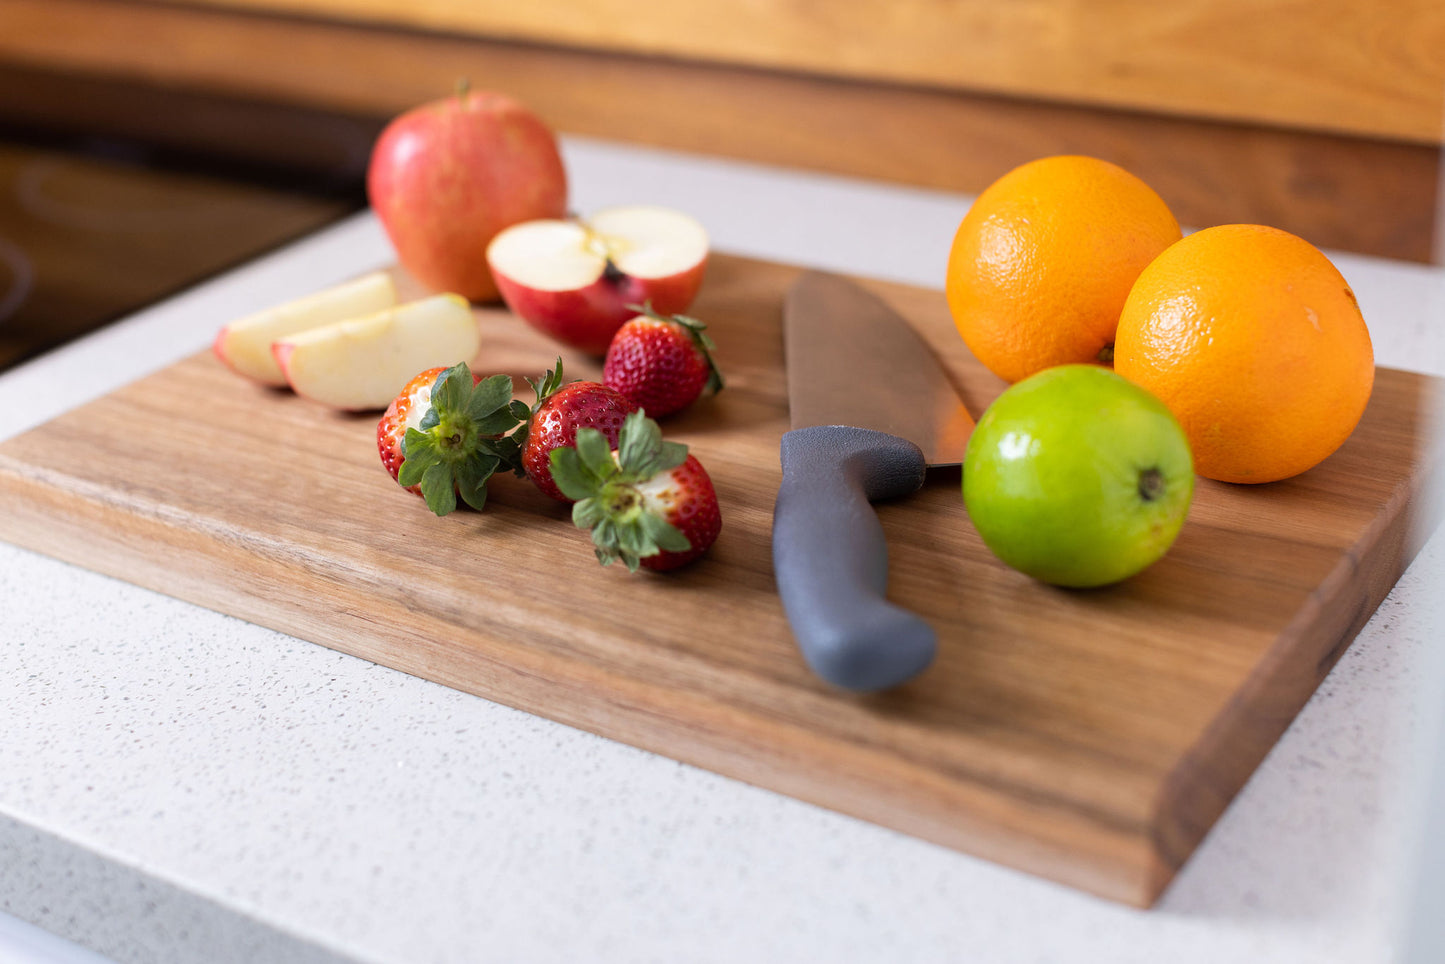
1374,69
1360,194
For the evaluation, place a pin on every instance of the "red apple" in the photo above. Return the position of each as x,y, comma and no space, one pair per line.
575,279
447,176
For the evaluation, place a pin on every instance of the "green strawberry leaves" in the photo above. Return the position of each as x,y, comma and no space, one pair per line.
544,388
642,453
609,493
461,440
584,470
469,431
697,332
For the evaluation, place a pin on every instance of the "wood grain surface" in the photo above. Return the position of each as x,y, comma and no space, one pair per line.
1090,737
1337,65
200,77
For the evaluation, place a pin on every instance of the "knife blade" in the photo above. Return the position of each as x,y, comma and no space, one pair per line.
871,408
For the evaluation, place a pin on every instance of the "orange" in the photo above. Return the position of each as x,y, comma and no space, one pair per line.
1255,342
1044,259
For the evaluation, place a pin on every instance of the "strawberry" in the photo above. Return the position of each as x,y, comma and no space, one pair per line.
559,412
648,502
662,363
443,436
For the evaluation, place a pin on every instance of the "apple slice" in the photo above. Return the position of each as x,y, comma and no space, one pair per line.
574,279
362,363
245,344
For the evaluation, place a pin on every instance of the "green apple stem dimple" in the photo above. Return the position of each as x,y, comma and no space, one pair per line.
1151,484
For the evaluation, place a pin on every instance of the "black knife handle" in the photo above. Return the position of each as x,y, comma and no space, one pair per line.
831,561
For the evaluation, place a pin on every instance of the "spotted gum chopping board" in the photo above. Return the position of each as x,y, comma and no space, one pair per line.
1088,736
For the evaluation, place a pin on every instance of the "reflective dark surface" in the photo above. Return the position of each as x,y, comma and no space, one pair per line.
93,229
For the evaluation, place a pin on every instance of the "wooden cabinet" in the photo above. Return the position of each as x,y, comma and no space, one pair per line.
1320,117
1372,67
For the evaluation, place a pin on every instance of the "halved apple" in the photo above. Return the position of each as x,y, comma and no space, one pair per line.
245,344
363,363
574,279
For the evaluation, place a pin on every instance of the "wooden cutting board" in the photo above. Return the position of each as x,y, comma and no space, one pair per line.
1088,736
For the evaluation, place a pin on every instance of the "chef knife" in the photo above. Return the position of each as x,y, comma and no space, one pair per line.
871,408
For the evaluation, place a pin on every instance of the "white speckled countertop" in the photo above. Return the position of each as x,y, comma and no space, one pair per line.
178,785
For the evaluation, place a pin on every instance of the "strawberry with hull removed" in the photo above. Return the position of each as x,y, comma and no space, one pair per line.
444,435
662,363
647,502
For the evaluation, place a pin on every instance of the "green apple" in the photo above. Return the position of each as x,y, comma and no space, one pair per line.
1078,477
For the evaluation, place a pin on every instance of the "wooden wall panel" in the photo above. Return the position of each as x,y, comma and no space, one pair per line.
1359,194
1374,68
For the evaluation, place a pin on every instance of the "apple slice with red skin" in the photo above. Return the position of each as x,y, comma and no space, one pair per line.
575,279
361,364
244,345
